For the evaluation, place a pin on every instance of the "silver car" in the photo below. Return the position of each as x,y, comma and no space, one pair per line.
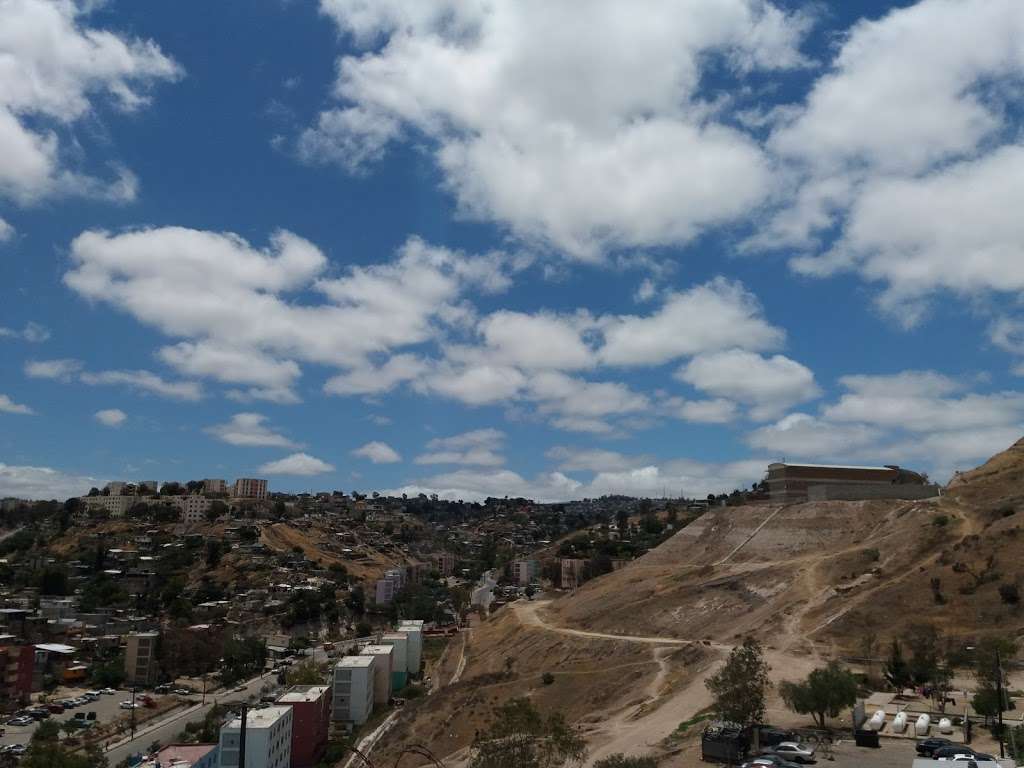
790,750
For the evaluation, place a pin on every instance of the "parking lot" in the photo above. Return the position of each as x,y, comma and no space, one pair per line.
106,708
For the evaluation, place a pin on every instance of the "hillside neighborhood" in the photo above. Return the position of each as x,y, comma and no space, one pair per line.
150,624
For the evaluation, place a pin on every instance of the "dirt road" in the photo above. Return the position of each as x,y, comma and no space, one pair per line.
528,614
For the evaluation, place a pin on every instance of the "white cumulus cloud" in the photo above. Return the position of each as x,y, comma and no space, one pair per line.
301,464
378,453
111,417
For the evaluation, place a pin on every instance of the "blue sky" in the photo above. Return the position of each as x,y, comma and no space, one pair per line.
489,248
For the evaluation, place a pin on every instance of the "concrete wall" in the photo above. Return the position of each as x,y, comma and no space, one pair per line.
854,492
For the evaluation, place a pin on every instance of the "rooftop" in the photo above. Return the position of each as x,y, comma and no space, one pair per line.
303,693
259,718
378,649
184,753
827,466
56,648
355,661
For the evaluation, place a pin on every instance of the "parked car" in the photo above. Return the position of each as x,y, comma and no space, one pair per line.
769,735
21,720
958,749
928,746
56,707
129,705
14,749
791,750
39,713
183,691
163,688
107,691
769,761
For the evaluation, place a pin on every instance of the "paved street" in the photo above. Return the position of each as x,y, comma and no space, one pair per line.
166,730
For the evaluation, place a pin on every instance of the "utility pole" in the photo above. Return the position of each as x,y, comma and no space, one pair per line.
999,692
133,709
241,737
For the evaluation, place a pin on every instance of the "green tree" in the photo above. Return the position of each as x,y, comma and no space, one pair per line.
825,693
305,673
741,685
923,642
213,553
897,672
521,737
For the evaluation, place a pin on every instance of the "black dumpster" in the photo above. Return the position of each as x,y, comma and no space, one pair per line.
863,738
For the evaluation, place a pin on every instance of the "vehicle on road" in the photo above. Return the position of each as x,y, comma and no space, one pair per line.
791,750
183,691
14,749
928,746
129,705
953,750
107,691
769,736
239,689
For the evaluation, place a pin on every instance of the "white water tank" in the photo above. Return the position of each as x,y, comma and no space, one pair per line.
877,721
922,725
945,725
899,723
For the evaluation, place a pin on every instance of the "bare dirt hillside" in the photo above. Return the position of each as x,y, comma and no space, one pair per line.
826,574
322,546
595,680
631,650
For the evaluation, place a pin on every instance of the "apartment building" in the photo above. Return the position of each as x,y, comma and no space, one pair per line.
17,663
444,563
311,715
250,488
388,586
353,689
524,572
413,629
140,658
193,509
572,572
268,739
400,672
214,485
385,655
115,506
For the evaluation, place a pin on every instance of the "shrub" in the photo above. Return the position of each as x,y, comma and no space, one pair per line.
940,521
1009,594
872,554
547,678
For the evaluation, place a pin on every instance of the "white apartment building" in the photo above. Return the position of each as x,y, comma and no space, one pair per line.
250,488
414,631
524,572
214,485
400,673
353,687
389,586
385,655
268,739
193,508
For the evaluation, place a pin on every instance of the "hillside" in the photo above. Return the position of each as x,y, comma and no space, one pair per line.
631,649
827,572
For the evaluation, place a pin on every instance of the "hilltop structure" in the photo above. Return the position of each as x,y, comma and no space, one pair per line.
797,483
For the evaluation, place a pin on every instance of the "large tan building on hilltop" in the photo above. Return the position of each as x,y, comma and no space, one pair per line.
796,483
